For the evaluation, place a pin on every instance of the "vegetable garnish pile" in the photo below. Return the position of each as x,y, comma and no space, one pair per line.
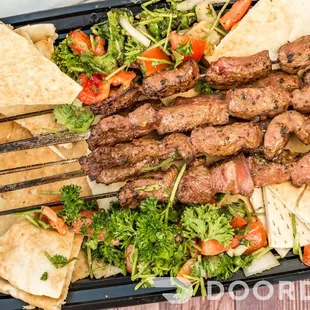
195,242
156,39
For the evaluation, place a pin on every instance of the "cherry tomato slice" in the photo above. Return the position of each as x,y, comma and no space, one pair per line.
79,42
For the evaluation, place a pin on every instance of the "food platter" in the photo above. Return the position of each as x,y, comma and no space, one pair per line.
119,290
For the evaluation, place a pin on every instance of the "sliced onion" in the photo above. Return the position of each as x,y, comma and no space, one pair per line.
189,4
264,263
137,35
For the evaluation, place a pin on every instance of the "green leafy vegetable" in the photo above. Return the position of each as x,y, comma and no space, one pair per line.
75,118
133,49
59,261
186,49
203,87
44,276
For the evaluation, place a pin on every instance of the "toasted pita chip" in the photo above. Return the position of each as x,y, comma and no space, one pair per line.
44,302
302,210
28,78
279,223
81,267
38,32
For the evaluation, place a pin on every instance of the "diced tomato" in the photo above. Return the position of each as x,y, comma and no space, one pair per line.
213,247
98,46
80,42
235,14
129,250
256,235
186,268
238,222
155,53
197,45
55,221
306,256
95,89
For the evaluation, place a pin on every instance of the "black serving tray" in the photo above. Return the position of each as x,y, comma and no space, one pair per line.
119,291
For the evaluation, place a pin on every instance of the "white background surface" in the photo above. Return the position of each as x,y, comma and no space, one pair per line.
16,7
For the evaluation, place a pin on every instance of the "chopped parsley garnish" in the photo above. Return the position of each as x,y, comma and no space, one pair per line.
186,49
44,276
203,87
59,261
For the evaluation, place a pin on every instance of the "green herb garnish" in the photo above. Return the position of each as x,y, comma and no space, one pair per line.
44,276
186,49
59,261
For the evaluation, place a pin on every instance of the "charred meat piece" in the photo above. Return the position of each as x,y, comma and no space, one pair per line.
157,184
279,129
196,184
233,177
264,172
227,140
295,56
166,83
120,173
257,103
176,145
301,100
306,78
288,82
188,113
301,173
119,100
231,71
116,129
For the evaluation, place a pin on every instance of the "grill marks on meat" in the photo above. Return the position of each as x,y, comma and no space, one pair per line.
167,83
301,99
157,184
264,173
136,151
119,100
227,140
257,103
189,113
277,134
117,128
231,71
288,82
295,56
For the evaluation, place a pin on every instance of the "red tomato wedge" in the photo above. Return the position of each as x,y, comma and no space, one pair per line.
256,235
98,46
96,89
55,221
154,53
306,256
186,268
129,251
197,45
238,222
79,42
235,14
213,247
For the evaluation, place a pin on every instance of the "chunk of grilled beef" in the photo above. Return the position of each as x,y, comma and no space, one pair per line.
119,174
227,140
279,129
257,103
295,56
175,145
288,82
200,183
157,184
231,71
301,99
264,172
189,113
306,78
166,83
301,173
196,184
116,129
120,99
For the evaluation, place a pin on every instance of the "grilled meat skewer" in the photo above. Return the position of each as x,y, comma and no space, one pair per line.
301,99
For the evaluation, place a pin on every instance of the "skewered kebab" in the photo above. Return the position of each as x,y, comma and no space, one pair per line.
301,99
306,78
114,164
